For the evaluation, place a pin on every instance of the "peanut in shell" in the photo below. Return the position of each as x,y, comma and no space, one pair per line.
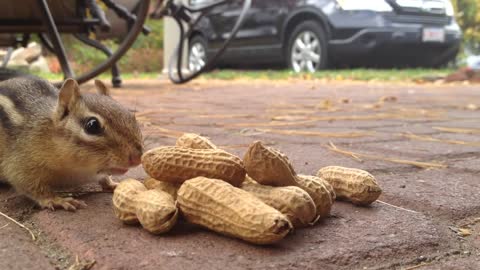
293,202
268,166
355,185
178,164
124,196
328,187
194,141
170,188
320,194
225,209
156,211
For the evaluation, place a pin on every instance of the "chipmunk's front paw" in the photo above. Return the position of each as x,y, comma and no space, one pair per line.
67,203
108,184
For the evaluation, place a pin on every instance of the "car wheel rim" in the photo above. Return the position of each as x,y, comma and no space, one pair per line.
306,52
197,57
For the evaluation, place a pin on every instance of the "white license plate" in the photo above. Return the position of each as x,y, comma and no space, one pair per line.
433,35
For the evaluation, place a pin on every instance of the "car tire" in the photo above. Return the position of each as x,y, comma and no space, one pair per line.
307,59
445,58
197,53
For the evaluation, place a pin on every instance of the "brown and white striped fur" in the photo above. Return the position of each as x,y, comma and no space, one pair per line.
44,143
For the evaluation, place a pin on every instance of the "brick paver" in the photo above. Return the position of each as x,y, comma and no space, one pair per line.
416,221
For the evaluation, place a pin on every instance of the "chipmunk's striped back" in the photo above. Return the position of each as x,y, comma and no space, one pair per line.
23,99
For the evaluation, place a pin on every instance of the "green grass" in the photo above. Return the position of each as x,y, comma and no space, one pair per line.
104,76
145,55
392,75
343,74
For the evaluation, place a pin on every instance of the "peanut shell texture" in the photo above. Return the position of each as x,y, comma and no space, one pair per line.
228,210
194,141
268,166
178,164
355,185
293,202
156,211
124,195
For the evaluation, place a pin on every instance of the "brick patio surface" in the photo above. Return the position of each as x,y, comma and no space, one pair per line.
426,218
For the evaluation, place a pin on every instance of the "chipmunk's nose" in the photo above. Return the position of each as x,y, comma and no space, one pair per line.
135,158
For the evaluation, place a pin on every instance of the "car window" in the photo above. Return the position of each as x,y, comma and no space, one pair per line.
201,2
366,4
430,4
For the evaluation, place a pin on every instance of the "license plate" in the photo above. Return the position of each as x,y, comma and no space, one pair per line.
433,35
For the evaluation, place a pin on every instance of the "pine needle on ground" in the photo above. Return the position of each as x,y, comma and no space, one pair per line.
357,156
303,120
156,130
418,266
223,116
318,133
432,139
398,207
459,130
19,224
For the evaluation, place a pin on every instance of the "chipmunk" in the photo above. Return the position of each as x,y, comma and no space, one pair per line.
52,138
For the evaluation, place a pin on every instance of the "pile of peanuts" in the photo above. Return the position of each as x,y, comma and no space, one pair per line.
259,199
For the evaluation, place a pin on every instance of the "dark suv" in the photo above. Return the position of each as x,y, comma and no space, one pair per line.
309,35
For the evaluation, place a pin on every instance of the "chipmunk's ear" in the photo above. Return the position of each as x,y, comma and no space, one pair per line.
102,88
67,98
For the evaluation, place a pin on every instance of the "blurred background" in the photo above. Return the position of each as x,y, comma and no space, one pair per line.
349,36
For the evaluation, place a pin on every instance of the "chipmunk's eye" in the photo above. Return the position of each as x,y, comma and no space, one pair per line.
92,126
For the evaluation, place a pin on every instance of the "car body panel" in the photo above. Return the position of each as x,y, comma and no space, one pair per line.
350,33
